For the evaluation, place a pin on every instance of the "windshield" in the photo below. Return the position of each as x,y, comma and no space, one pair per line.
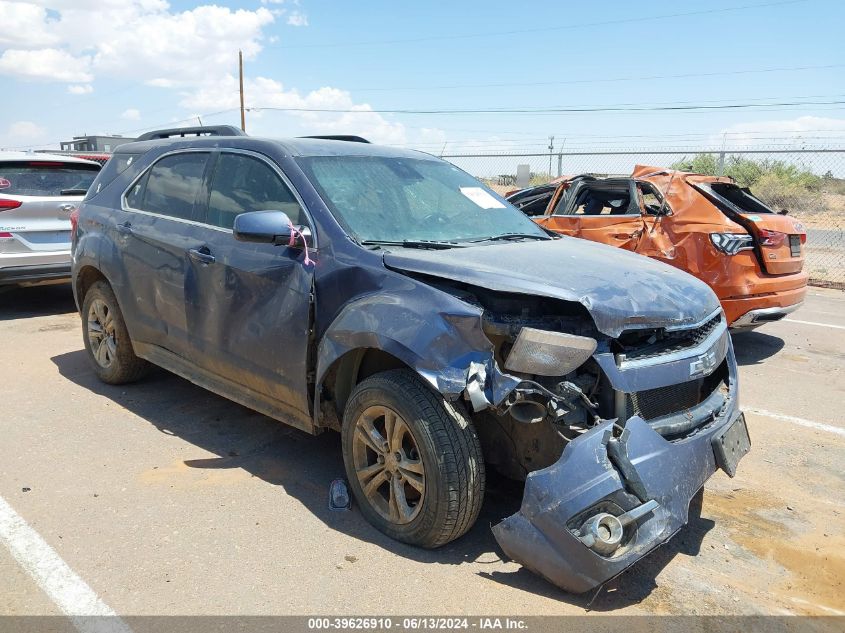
388,199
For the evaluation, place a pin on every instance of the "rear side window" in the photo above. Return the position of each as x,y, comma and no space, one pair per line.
45,178
243,183
743,199
115,166
171,186
650,199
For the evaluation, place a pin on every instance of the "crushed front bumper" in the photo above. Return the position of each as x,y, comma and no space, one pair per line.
545,537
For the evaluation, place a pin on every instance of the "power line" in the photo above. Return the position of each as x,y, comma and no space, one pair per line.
555,110
566,27
599,80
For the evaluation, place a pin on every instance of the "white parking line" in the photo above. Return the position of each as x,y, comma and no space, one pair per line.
799,421
68,591
838,327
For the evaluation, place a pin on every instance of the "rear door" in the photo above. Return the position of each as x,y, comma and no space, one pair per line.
155,233
778,238
248,305
605,211
36,200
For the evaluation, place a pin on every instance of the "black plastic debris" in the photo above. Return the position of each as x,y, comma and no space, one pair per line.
339,500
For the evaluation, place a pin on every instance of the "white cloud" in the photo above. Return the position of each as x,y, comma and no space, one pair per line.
141,38
810,131
132,114
25,25
82,89
262,92
25,131
45,64
298,18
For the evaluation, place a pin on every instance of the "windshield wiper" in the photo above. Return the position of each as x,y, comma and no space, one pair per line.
433,244
509,237
73,192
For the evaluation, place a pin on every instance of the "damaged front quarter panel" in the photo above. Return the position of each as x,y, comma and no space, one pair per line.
437,335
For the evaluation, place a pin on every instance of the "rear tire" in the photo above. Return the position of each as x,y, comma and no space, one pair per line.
107,342
425,485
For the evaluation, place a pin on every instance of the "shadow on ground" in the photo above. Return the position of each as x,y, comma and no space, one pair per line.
752,348
34,301
305,465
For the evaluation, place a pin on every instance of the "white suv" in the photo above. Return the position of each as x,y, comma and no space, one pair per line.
38,192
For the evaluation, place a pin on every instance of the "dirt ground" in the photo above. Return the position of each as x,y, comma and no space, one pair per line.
166,499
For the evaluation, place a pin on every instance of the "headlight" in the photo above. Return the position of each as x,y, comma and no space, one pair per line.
548,353
732,243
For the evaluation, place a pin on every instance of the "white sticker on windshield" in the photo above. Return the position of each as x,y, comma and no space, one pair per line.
481,198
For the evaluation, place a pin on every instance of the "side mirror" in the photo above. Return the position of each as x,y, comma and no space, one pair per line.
265,227
784,212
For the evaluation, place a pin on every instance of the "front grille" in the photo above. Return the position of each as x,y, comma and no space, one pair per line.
669,342
656,403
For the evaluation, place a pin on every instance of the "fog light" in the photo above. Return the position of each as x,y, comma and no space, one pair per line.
602,533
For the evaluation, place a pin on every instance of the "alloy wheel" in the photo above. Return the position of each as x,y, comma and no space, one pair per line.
101,336
388,465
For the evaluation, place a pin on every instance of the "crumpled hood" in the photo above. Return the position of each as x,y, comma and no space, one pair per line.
621,290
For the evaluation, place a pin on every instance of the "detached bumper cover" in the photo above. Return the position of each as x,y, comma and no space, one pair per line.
542,535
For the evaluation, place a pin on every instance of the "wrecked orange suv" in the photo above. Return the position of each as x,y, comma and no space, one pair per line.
750,255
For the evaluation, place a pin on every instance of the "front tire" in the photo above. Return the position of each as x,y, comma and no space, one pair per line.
106,338
413,460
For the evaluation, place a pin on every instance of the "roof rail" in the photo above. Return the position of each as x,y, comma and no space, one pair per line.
205,130
340,137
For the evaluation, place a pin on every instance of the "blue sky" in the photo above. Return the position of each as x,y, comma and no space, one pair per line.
122,66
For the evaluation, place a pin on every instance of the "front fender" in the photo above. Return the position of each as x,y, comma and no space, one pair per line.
438,337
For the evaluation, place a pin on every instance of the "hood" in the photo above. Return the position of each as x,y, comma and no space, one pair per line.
620,290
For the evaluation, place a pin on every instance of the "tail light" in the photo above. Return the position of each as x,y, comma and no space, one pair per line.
74,221
803,238
5,235
732,243
6,204
771,238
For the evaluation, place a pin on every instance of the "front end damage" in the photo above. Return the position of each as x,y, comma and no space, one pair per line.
613,438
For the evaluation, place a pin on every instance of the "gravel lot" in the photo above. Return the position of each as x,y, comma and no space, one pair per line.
166,499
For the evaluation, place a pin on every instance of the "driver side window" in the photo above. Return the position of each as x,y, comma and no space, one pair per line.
243,183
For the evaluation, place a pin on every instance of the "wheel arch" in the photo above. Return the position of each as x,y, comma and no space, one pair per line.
347,370
84,278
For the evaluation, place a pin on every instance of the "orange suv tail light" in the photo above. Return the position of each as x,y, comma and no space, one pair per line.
771,238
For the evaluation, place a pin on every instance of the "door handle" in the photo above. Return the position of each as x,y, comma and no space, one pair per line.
125,228
202,255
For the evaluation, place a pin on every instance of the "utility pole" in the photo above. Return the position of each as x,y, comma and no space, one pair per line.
551,149
241,78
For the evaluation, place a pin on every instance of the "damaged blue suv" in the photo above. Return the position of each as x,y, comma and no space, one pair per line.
387,295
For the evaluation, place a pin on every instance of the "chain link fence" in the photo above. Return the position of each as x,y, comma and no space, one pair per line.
809,183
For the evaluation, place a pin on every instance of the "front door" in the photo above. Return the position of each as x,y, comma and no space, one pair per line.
249,304
605,211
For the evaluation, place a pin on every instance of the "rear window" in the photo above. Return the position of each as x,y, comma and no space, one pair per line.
743,199
43,178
